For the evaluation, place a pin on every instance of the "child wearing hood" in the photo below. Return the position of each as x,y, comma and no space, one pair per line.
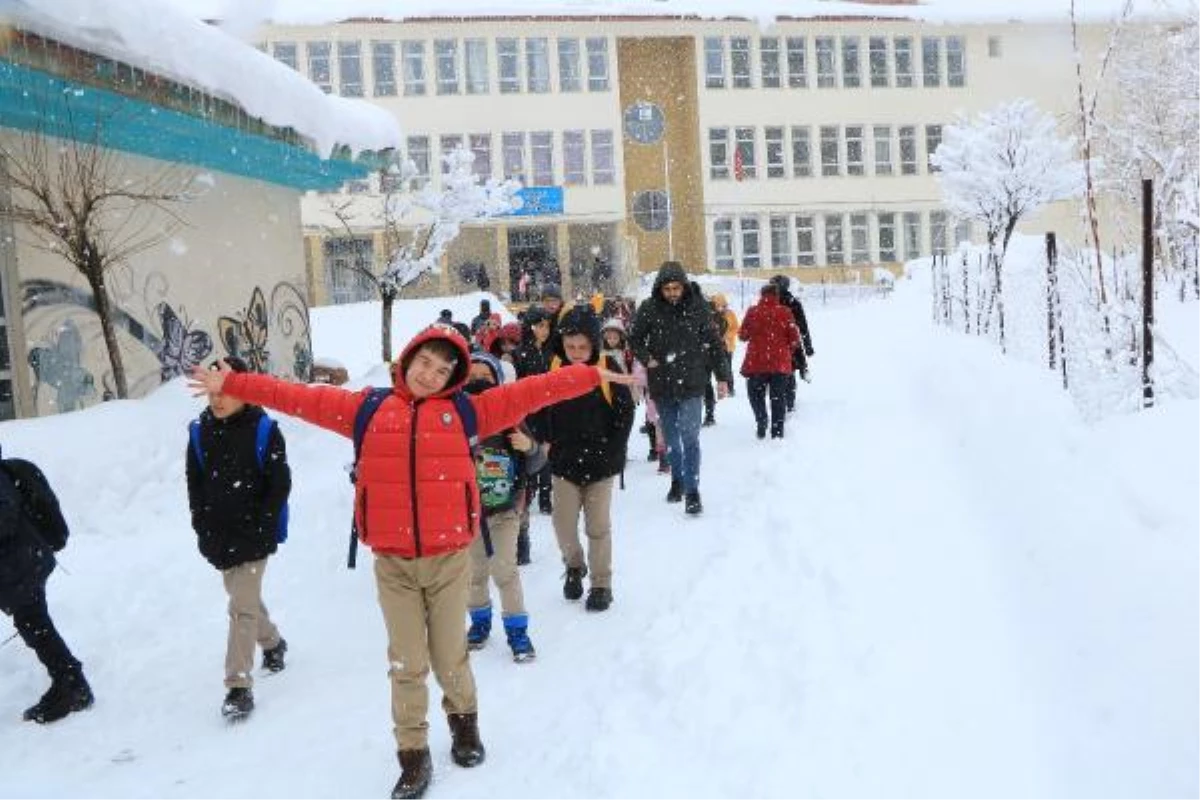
588,437
502,463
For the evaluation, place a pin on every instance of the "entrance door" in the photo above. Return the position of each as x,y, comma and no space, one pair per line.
530,262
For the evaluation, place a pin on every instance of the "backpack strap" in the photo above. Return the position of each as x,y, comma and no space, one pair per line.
362,420
262,438
194,435
470,423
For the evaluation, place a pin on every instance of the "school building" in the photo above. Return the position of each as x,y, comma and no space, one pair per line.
800,147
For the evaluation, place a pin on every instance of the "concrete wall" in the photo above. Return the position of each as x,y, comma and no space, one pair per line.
230,278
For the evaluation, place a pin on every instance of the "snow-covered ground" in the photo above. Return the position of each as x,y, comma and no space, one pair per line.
942,583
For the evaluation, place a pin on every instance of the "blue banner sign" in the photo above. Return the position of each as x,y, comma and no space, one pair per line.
539,201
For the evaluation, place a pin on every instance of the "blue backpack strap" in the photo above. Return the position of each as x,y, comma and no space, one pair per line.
262,439
194,435
470,423
466,412
362,420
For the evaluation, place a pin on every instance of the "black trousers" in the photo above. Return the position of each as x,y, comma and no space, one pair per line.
33,623
757,387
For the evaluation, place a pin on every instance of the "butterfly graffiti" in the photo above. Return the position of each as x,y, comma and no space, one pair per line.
180,348
245,336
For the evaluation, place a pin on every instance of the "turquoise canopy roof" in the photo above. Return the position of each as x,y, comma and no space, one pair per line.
33,100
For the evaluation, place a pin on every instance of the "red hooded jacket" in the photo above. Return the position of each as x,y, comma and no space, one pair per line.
416,494
771,334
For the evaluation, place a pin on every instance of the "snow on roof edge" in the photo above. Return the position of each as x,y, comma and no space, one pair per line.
163,39
766,12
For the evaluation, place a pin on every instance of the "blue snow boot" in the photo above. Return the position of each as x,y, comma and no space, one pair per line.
516,628
481,627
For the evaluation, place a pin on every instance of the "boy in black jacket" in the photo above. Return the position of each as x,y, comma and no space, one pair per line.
236,505
588,437
502,463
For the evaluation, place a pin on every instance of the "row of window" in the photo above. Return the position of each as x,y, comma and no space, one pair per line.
460,66
586,156
891,61
733,152
808,239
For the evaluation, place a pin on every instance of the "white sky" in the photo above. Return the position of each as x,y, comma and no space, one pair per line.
318,11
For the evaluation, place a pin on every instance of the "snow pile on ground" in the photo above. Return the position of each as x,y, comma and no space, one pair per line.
164,39
308,12
941,583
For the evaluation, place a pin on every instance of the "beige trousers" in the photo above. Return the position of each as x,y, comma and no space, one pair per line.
424,603
595,501
502,566
249,622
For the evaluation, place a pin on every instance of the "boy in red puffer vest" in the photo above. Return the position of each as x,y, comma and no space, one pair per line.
417,507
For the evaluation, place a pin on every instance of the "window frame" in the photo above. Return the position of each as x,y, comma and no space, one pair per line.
723,229
748,145
856,162
604,155
598,73
956,62
574,149
780,256
851,62
481,143
513,160
831,235
878,62
383,66
313,57
805,257
749,230
902,58
797,62
769,63
541,142
931,46
349,54
802,166
537,65
825,51
476,76
508,53
279,48
570,74
741,63
775,147
719,169
447,71
881,137
908,165
412,54
830,146
714,80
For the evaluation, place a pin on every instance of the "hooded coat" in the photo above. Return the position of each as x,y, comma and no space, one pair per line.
680,339
588,435
772,337
416,494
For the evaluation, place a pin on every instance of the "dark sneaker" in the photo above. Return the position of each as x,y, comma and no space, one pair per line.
761,432
64,697
416,770
466,748
239,702
273,658
709,421
573,585
675,494
692,504
599,599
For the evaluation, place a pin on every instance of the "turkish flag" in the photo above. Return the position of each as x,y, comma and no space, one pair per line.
739,166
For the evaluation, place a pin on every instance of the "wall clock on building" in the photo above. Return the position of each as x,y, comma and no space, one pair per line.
652,210
644,122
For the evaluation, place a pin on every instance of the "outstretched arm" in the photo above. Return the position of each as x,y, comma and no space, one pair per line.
504,406
329,407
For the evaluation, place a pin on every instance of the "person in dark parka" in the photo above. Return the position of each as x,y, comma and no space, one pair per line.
804,351
26,561
675,337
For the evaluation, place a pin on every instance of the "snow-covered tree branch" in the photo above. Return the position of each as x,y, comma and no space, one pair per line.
1001,167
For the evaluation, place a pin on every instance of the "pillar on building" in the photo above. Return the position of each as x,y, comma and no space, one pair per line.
504,279
562,246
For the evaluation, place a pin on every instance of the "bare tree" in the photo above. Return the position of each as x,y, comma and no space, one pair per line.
86,203
1087,123
416,248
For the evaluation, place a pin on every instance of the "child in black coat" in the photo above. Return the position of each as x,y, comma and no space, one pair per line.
588,438
238,484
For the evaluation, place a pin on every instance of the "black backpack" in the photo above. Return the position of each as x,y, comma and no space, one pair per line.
38,502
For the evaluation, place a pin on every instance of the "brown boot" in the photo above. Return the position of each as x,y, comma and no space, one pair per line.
416,772
466,748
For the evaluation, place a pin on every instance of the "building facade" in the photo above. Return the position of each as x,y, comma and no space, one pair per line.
801,147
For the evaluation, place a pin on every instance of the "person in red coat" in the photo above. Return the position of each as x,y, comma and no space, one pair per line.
771,335
417,507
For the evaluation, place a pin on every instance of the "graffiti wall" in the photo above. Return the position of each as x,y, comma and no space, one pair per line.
228,280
